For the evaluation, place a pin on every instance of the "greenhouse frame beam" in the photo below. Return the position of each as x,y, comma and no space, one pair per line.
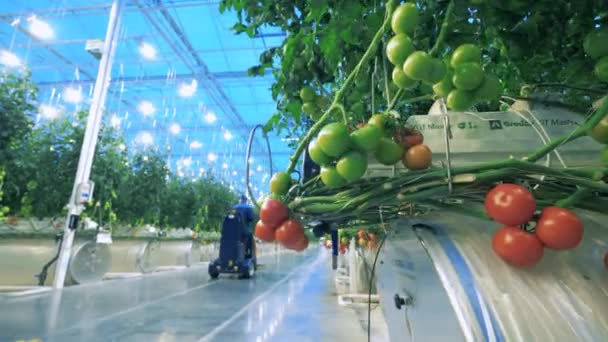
200,68
102,9
153,78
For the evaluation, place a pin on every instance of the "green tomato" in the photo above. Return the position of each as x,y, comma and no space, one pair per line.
381,121
605,156
388,152
601,69
280,183
330,177
437,73
352,166
366,138
600,131
316,153
468,76
465,53
399,48
334,139
405,18
307,94
309,108
322,102
490,89
596,43
401,80
460,100
358,108
418,66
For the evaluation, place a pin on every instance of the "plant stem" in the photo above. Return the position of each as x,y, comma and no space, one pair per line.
573,199
444,29
395,99
369,53
582,130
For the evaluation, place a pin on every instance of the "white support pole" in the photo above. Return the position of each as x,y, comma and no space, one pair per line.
90,138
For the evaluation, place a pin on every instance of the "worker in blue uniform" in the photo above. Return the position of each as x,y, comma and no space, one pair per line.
245,211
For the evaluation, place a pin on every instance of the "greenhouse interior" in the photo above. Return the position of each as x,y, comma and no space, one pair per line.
198,170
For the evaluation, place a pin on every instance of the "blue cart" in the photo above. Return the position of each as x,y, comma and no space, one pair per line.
237,250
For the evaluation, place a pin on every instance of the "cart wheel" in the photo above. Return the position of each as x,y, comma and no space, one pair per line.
249,273
214,275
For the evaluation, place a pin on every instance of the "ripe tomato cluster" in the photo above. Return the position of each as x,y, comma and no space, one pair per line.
275,225
366,239
513,206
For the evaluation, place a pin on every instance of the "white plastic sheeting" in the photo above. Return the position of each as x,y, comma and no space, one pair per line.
563,298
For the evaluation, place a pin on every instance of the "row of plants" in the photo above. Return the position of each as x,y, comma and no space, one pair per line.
349,75
38,166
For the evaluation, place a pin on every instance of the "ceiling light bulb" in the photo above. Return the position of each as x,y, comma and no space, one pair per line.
147,51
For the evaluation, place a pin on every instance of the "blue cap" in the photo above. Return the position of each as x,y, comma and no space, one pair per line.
243,197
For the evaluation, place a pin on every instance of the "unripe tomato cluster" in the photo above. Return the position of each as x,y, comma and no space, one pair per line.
275,225
513,206
596,47
343,156
461,80
312,103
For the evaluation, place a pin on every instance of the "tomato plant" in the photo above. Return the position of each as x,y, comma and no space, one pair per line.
334,139
366,138
352,166
307,94
467,76
263,232
596,43
301,245
280,183
517,247
408,137
418,66
330,177
460,100
418,157
398,48
388,152
316,153
362,242
601,69
490,89
273,213
510,204
361,234
559,228
381,121
600,131
465,53
401,80
289,233
405,18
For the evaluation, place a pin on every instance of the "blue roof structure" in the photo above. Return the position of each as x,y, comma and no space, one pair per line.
179,79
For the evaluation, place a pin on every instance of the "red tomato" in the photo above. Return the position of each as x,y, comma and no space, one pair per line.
273,213
263,232
517,247
301,245
289,233
559,228
606,261
371,244
372,237
510,204
361,234
360,125
408,137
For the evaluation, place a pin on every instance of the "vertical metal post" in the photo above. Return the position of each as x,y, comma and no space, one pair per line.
90,138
